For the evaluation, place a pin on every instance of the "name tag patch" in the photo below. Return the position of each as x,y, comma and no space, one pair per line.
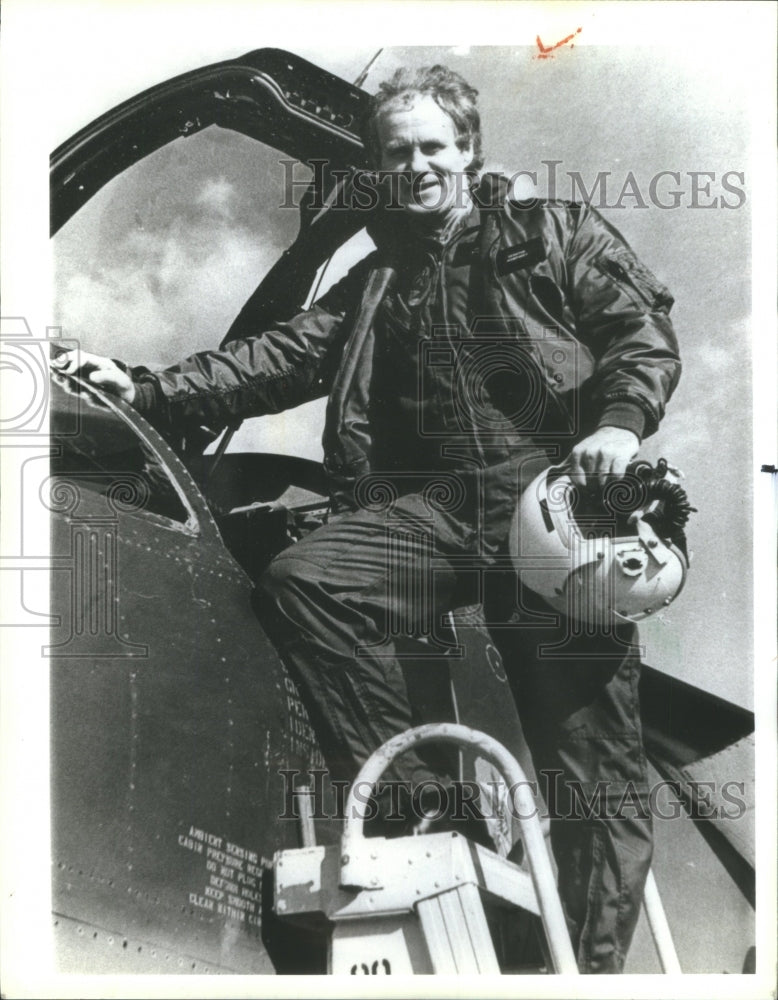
521,256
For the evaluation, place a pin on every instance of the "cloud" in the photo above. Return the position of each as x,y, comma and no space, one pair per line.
163,292
218,195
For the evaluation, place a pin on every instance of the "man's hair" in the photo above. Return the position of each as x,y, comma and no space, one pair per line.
451,92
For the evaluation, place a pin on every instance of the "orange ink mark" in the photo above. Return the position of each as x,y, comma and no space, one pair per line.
545,52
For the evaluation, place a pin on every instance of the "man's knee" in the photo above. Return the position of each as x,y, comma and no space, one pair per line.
275,579
283,581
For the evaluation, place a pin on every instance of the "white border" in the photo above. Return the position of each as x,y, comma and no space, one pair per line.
144,30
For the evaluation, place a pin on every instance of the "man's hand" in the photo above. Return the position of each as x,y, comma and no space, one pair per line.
606,453
100,371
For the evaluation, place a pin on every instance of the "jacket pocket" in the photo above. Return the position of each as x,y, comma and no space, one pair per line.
549,295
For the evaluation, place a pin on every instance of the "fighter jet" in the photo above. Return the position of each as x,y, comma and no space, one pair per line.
182,754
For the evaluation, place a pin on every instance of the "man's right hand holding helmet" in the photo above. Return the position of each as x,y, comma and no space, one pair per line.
100,371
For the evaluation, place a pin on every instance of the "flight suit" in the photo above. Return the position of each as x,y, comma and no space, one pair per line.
455,374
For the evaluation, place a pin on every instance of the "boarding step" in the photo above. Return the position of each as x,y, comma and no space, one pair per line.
434,903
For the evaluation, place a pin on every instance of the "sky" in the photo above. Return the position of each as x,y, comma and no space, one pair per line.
160,261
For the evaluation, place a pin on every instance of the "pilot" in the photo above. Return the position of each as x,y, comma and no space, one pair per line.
483,340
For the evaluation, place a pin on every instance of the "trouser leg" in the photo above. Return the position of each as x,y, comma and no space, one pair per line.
333,605
578,700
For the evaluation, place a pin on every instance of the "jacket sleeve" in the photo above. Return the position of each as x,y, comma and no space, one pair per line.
272,371
622,317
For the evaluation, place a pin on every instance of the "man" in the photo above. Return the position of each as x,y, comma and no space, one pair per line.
482,340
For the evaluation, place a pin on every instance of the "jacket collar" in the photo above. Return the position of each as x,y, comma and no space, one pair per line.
396,234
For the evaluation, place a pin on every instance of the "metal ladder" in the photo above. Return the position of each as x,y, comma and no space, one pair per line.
419,904
416,904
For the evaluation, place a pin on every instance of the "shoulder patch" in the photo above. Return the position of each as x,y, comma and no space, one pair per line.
622,264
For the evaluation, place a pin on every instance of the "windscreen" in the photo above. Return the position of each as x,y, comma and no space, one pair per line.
158,263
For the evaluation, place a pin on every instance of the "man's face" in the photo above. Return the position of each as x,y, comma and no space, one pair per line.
421,140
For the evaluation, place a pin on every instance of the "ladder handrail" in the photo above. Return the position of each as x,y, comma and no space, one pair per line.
659,927
355,859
